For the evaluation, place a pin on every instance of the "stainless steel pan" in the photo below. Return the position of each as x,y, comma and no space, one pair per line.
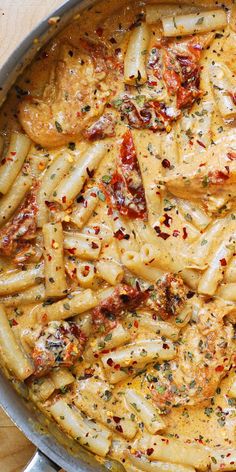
51,455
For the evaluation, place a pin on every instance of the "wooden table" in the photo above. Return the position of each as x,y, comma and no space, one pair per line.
17,18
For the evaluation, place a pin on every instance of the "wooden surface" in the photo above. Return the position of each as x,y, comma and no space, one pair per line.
17,18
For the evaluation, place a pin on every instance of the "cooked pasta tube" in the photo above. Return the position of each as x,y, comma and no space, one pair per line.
221,88
169,146
123,234
222,459
72,184
230,273
81,245
155,13
162,328
190,277
202,247
110,271
55,278
82,210
56,171
14,160
153,256
115,338
30,295
201,22
41,389
10,352
194,214
143,463
115,376
61,377
92,400
175,451
13,198
215,271
85,274
74,425
227,291
232,390
18,280
132,260
76,304
135,58
142,352
145,411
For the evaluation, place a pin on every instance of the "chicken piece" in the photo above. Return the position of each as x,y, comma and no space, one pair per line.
168,297
204,356
60,343
213,175
16,234
124,298
82,82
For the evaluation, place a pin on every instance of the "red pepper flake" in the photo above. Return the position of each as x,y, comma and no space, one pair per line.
119,428
165,163
72,250
96,356
165,346
219,368
160,233
112,40
64,199
49,257
185,234
117,52
90,172
94,245
136,324
110,362
231,155
201,144
120,235
176,233
99,32
167,221
223,262
96,229
117,419
202,164
13,153
154,317
150,451
117,367
14,322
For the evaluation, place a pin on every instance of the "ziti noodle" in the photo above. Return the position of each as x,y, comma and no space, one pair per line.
118,233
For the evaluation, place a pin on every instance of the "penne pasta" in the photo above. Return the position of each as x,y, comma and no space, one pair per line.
148,466
41,389
142,352
175,451
135,58
14,160
155,12
145,410
227,291
72,184
215,271
10,202
115,338
33,294
61,378
53,175
55,279
162,328
201,22
230,272
10,352
81,245
71,422
220,81
18,280
74,305
110,271
95,391
133,262
83,209
194,214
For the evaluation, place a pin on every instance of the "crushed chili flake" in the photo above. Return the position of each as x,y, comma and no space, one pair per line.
150,451
94,245
110,362
231,155
167,220
165,163
201,144
99,32
223,262
117,419
119,428
219,368
136,324
185,233
120,235
160,233
176,233
64,199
